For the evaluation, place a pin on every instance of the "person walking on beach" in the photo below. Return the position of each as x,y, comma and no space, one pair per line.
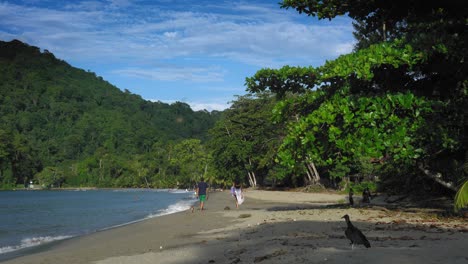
366,195
233,193
202,193
236,191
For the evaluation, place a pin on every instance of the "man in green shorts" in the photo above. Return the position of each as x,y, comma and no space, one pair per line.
202,193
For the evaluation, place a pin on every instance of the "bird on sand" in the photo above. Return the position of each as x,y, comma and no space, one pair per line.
354,234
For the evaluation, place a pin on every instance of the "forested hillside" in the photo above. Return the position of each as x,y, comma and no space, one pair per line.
60,125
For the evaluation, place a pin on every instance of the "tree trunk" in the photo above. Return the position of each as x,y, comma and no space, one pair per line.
252,175
312,173
309,176
147,184
101,174
384,31
254,179
250,178
317,175
206,169
437,177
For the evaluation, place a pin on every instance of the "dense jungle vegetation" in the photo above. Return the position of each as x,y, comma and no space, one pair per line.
391,114
62,126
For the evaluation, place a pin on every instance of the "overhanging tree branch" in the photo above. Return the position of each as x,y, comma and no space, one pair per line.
437,177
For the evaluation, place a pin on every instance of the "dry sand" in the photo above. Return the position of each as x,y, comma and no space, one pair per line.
272,227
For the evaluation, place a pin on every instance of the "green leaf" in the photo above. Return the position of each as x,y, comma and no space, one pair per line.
461,198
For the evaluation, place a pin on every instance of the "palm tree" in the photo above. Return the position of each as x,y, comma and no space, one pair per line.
461,198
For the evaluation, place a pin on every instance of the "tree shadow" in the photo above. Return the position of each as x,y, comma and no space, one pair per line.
317,241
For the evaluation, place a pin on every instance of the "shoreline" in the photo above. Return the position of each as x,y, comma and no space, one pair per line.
63,251
36,242
270,227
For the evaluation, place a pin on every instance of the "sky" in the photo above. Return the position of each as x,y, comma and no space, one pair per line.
197,52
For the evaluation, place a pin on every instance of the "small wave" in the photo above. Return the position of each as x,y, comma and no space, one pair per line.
180,191
174,208
133,190
32,242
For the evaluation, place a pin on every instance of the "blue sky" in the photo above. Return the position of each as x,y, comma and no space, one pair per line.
198,52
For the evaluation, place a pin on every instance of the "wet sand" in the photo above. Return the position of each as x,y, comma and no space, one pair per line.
271,227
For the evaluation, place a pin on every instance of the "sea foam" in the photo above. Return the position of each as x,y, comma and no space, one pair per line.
174,208
31,242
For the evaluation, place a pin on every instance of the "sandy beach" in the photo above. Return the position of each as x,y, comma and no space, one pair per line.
272,227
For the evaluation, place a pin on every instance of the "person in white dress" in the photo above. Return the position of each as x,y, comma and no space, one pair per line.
237,193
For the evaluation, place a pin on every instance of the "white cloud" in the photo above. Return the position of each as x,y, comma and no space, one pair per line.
170,35
86,6
344,48
209,106
258,35
120,3
191,74
198,106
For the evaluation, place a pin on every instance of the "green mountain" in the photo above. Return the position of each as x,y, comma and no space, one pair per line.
53,115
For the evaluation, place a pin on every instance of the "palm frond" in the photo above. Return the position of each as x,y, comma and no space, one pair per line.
461,198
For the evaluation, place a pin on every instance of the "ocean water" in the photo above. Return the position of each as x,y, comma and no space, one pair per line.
33,218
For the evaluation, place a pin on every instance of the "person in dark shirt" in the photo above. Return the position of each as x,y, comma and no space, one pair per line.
366,195
202,193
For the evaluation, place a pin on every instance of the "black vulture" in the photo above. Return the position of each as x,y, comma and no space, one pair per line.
354,234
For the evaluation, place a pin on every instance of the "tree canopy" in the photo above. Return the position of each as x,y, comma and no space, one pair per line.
398,101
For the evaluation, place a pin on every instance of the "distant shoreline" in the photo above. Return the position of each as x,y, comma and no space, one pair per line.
54,189
84,189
